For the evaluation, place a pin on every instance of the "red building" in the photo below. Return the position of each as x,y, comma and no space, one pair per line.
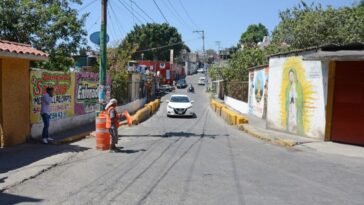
162,68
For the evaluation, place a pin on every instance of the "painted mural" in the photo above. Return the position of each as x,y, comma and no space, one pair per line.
296,102
259,86
86,92
75,93
258,91
62,104
296,97
251,92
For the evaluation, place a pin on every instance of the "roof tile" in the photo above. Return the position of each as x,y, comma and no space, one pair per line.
20,48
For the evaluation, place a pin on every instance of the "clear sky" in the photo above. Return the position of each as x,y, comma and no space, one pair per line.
222,20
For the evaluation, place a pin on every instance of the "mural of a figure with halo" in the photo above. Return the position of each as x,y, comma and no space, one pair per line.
296,97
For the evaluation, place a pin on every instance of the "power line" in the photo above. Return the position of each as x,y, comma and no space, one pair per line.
145,13
87,5
132,13
185,10
112,22
165,46
120,27
160,11
177,15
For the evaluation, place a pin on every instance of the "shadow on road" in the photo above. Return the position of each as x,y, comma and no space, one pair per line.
22,155
10,199
132,151
173,134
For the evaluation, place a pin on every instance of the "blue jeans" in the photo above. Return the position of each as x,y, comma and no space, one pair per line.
45,118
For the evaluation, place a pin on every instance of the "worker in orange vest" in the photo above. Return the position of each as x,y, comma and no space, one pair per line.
112,123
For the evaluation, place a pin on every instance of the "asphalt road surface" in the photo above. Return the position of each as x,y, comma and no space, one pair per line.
196,161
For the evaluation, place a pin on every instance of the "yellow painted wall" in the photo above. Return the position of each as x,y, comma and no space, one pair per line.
15,108
1,116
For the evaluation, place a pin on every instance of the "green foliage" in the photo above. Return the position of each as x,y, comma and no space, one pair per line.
242,60
119,85
311,25
152,35
49,25
214,72
254,34
118,58
210,52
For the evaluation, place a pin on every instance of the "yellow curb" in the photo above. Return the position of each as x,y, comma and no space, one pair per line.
73,138
135,117
282,142
230,116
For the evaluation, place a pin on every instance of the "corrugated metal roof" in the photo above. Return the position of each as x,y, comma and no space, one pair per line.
341,55
356,46
21,50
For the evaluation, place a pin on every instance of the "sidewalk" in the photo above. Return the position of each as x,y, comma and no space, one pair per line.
25,161
74,134
257,128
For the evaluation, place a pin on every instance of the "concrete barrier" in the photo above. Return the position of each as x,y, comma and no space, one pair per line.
230,116
61,125
145,112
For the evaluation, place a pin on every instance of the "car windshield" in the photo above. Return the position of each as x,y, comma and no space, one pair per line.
182,82
179,99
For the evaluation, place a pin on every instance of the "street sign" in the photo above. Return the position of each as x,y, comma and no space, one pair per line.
95,38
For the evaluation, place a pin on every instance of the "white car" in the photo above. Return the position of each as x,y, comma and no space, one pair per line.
180,105
201,81
200,70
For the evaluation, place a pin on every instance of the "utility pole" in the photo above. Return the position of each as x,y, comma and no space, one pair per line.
202,32
102,68
218,43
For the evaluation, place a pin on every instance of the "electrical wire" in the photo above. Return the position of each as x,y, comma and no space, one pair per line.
160,11
112,23
120,27
145,13
185,10
132,13
87,5
92,26
160,47
177,15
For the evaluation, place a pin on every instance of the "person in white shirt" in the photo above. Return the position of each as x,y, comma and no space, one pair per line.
45,113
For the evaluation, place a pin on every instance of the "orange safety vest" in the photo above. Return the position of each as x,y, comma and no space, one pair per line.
108,119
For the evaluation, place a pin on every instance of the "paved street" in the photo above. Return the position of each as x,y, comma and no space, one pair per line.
194,161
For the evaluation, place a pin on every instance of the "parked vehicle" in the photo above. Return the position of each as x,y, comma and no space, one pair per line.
181,83
180,105
201,81
166,88
200,70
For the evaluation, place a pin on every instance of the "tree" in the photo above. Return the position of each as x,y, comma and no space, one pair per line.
155,41
210,52
254,34
311,25
48,25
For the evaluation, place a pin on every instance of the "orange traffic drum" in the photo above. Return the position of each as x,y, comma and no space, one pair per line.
102,133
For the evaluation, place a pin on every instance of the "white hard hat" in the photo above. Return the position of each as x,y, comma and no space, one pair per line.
111,102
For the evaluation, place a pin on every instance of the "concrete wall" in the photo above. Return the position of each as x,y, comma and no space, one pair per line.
296,101
258,92
15,101
80,120
237,105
